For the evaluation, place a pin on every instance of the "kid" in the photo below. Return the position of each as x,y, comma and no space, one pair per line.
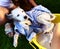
4,6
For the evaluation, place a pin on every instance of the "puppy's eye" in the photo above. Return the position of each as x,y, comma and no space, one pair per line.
25,17
18,15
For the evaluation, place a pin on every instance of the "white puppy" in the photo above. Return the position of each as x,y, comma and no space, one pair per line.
22,23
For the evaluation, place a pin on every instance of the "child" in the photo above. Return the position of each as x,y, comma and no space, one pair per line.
4,6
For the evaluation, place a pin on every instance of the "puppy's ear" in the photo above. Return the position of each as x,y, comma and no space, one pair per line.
52,17
9,16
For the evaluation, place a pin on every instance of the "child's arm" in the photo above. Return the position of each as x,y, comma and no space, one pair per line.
33,2
56,37
3,11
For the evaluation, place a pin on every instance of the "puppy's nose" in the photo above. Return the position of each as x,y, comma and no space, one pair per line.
26,23
30,20
25,17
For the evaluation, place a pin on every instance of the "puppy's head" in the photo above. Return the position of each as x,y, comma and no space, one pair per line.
20,15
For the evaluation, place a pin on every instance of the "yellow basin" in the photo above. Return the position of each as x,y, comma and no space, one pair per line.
57,19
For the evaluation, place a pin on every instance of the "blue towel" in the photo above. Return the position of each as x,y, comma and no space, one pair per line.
33,13
21,30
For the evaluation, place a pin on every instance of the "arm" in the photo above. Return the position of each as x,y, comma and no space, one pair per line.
56,37
33,2
3,11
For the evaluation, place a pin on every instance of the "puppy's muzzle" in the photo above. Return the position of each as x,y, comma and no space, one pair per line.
25,17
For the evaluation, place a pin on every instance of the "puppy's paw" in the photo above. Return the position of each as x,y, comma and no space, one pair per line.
15,43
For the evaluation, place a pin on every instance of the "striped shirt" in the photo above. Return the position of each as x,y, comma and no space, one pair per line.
5,3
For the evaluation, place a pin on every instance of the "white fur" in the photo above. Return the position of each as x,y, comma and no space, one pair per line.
45,19
20,12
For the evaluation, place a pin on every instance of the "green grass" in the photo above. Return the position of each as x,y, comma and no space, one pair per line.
7,43
53,5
